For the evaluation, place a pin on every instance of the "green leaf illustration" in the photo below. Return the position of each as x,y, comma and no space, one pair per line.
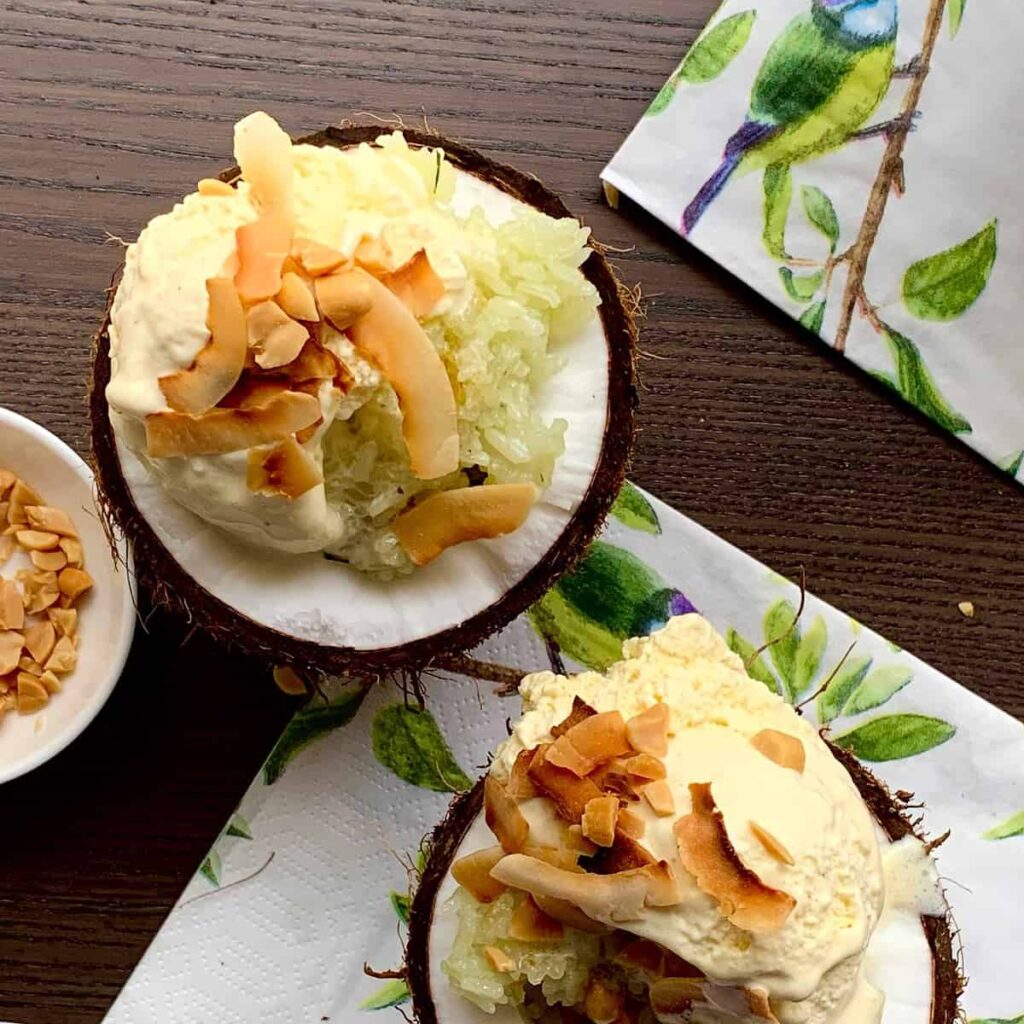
778,191
238,826
756,669
394,993
997,1020
877,688
943,286
609,596
309,725
632,509
211,868
833,700
784,637
407,741
809,651
401,902
1012,463
821,213
1013,826
813,317
716,48
801,287
892,737
915,384
956,15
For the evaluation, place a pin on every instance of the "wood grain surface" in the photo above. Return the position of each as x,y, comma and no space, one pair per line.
111,111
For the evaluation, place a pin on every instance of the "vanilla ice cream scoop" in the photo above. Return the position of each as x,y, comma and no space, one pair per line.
701,828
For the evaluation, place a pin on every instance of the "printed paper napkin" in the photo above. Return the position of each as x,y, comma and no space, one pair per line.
853,161
309,879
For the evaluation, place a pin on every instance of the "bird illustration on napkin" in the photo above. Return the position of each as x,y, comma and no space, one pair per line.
819,83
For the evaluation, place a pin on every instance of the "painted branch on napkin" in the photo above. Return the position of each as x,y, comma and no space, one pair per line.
850,81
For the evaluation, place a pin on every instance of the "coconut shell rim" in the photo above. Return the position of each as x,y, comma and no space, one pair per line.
172,586
891,813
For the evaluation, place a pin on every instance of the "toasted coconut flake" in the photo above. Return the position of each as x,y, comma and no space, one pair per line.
37,540
785,750
569,793
620,897
65,620
658,795
708,855
644,768
771,844
214,187
417,285
613,778
520,785
255,391
376,255
12,609
560,857
503,816
73,549
603,1001
32,694
49,561
446,518
530,924
314,258
590,743
219,364
631,824
228,430
50,520
599,818
473,873
571,916
285,469
625,854
73,583
274,336
289,681
675,996
40,639
390,336
648,731
64,657
317,363
344,297
264,154
296,298
580,710
11,645
262,246
664,889
499,959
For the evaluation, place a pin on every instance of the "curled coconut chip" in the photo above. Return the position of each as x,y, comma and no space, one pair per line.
229,430
709,856
590,743
274,337
503,816
569,793
473,873
580,711
445,518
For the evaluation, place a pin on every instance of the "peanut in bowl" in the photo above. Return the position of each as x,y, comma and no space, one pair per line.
77,615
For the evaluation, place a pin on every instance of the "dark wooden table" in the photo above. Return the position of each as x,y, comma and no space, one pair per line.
110,111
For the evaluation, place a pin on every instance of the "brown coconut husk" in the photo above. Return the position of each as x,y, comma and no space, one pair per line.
891,812
173,587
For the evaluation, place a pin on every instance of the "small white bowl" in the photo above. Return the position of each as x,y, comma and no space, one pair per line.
106,614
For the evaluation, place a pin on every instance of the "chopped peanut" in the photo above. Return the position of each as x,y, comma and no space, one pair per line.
32,694
65,620
37,540
64,657
50,520
632,825
51,682
11,645
771,844
73,549
49,561
74,582
785,750
648,731
658,795
40,639
473,873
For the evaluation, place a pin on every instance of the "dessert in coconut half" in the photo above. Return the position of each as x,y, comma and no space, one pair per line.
672,842
362,399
